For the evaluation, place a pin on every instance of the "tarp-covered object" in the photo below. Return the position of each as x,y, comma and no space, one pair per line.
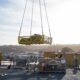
34,39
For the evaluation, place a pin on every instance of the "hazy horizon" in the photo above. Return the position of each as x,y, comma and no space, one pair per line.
64,19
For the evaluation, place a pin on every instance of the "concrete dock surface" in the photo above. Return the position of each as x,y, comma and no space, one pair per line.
18,74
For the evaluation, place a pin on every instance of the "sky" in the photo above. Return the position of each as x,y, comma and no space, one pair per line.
63,15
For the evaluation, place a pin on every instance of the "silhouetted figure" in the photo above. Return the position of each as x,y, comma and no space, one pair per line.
9,67
75,65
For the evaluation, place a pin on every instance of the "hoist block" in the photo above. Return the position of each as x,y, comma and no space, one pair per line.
34,39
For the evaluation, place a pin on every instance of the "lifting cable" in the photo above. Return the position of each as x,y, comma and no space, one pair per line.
47,18
23,18
41,16
32,17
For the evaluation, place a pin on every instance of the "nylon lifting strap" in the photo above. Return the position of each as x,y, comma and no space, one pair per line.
23,18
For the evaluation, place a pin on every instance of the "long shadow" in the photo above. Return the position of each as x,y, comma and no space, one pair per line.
46,76
58,76
35,76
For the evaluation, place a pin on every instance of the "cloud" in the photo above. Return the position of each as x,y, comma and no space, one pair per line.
4,3
10,19
64,18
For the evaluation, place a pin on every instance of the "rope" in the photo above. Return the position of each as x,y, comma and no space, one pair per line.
23,18
47,18
32,17
41,17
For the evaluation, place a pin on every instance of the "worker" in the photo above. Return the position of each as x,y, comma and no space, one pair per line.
75,65
63,61
57,60
9,66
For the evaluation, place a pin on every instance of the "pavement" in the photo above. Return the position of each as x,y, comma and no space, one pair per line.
18,74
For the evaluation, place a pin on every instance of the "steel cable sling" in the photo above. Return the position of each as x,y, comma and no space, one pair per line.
34,39
32,17
43,36
41,18
22,19
25,39
47,18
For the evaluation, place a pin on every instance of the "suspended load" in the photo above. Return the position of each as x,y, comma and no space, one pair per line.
35,38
